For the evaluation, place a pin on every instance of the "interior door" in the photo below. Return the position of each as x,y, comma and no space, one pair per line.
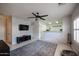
8,29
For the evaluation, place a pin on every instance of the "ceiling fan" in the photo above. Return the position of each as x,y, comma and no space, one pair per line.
38,16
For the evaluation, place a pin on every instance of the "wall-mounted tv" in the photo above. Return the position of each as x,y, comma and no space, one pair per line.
23,27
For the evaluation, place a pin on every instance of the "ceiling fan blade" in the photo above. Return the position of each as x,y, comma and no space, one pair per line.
34,14
43,15
41,18
31,17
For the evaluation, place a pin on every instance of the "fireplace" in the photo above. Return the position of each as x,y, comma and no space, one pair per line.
23,38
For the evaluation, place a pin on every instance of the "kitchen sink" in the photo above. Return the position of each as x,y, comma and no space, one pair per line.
68,53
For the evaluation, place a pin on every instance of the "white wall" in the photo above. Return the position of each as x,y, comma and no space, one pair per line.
1,28
58,37
36,30
15,28
75,15
33,31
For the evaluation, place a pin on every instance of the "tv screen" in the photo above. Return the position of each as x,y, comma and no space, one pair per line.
23,27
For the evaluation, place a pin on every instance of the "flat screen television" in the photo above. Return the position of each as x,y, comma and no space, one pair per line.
23,27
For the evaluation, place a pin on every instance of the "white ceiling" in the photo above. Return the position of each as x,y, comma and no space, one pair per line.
23,10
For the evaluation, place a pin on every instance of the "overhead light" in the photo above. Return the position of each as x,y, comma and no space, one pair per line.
57,22
50,23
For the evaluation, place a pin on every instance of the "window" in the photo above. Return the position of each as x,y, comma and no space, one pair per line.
76,30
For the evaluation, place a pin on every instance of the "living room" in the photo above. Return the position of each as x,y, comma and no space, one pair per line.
23,31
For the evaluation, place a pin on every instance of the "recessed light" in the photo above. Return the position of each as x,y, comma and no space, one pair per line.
57,22
50,23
